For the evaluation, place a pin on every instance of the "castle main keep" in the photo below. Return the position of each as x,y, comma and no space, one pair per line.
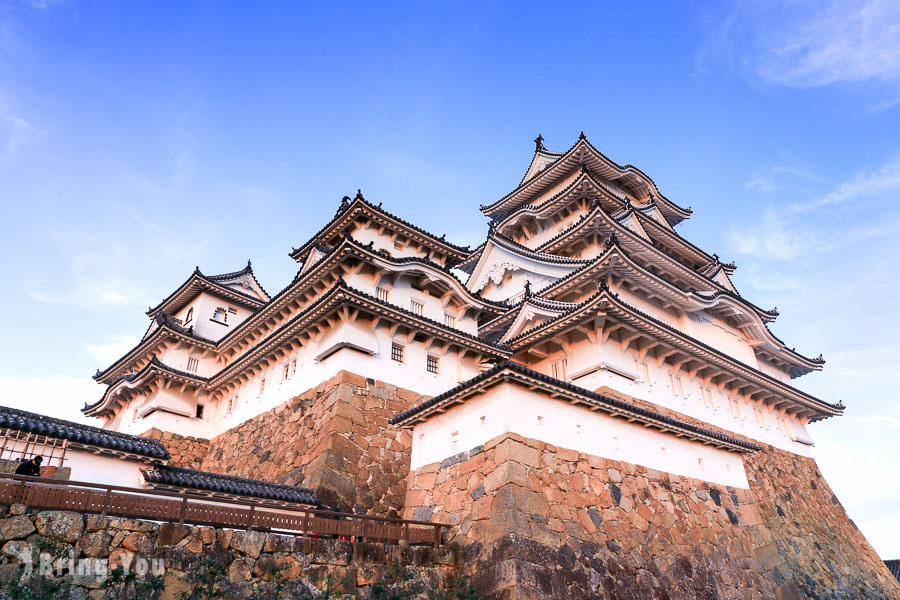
585,397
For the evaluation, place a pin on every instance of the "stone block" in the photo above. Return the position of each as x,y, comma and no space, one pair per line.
95,544
12,528
172,533
514,450
248,543
508,472
63,525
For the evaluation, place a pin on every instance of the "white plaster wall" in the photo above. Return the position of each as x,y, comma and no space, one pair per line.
511,408
86,465
204,308
95,468
659,391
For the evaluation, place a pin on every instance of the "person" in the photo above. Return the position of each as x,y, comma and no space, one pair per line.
30,467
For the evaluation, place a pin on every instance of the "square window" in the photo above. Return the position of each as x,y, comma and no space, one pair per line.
383,294
397,352
192,364
417,307
431,363
449,320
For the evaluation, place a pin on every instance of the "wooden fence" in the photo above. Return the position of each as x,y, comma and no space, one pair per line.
192,509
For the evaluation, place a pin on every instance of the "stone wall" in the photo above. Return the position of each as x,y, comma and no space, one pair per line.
334,439
186,451
251,563
537,521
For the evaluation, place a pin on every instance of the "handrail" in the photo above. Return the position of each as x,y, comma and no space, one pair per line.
255,519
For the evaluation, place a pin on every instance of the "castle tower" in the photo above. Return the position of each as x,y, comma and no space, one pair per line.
595,409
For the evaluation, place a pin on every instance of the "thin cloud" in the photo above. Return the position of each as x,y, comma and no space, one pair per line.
109,352
810,44
863,187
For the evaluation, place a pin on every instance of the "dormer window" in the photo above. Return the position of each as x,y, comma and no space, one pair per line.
220,315
190,315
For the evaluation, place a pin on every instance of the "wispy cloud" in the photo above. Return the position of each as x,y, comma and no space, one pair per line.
113,350
810,43
863,187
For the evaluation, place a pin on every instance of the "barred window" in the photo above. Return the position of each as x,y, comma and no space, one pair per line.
397,352
262,386
449,320
417,307
286,371
431,363
193,361
383,294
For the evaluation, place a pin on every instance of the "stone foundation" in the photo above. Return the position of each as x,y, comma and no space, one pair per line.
241,564
334,439
186,451
537,521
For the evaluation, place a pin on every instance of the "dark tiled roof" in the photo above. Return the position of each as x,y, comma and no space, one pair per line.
29,422
620,405
248,270
215,282
347,204
228,484
894,567
671,206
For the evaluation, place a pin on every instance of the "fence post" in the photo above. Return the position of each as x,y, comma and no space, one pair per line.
183,509
106,502
250,518
20,495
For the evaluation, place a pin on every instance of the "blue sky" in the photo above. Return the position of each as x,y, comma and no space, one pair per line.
140,140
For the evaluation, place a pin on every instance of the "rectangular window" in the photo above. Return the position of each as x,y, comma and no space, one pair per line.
286,372
192,364
558,370
383,294
262,386
417,307
398,245
232,310
199,413
231,403
293,367
449,320
760,416
645,371
680,386
431,363
397,352
784,426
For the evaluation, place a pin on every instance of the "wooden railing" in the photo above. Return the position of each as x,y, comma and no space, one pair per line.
194,509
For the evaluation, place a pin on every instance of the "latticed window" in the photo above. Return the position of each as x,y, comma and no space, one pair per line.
449,320
397,352
17,445
558,370
417,307
383,294
193,361
431,363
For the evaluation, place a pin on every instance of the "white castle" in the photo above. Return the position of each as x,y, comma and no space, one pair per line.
582,311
